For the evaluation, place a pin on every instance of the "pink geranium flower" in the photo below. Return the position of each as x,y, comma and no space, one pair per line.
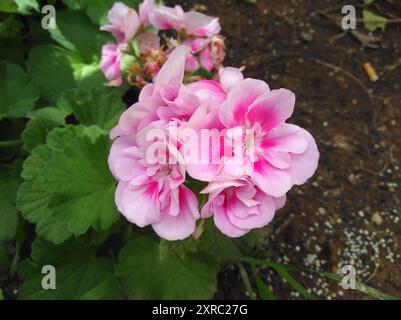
237,206
193,23
163,17
283,154
123,22
110,64
154,192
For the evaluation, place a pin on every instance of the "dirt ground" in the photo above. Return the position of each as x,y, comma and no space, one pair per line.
349,212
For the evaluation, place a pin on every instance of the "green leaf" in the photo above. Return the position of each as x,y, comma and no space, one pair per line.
27,6
282,271
292,281
56,69
149,275
263,290
1,295
75,32
85,187
368,2
9,183
41,123
226,249
12,50
49,113
19,6
76,63
373,21
78,271
18,94
108,289
32,200
10,27
101,107
74,4
245,279
69,187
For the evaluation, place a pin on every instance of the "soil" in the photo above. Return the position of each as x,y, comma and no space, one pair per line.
349,212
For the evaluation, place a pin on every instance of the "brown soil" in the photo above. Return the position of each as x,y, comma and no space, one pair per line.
349,212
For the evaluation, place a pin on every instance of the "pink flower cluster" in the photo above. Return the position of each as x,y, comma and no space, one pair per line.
146,40
249,181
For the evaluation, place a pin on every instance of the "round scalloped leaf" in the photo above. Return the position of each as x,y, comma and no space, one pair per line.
18,93
150,270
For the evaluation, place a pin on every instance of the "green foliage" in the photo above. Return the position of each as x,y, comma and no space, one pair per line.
74,63
9,183
68,186
75,32
263,290
373,21
18,93
19,6
41,123
80,274
368,2
10,26
101,107
150,270
56,69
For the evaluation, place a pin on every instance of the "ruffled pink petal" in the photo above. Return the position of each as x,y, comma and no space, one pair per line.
204,163
198,24
205,59
139,115
304,165
110,63
229,76
119,195
272,108
224,224
239,99
141,204
123,159
173,70
123,22
145,8
196,44
258,217
115,31
181,226
131,24
286,138
280,202
208,90
146,92
191,64
164,18
273,181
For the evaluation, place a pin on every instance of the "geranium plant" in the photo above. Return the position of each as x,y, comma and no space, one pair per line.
148,200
